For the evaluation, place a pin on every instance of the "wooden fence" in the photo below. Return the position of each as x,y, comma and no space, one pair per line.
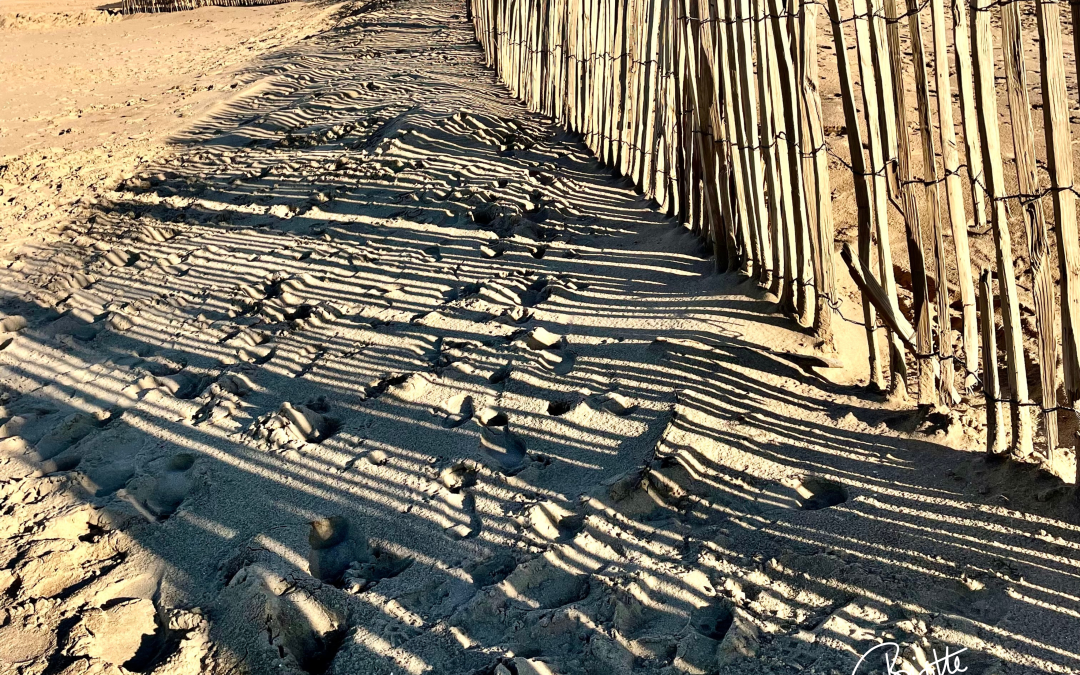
712,108
156,6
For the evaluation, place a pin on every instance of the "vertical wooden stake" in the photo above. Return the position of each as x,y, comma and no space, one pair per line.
964,85
818,187
871,80
995,418
862,190
1059,164
947,393
768,143
986,109
1042,281
957,217
912,221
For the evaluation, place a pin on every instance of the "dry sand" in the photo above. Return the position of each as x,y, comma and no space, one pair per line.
364,369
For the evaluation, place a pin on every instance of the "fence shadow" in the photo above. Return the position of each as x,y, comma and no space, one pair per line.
324,307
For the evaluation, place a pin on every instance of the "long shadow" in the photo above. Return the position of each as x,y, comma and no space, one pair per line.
369,234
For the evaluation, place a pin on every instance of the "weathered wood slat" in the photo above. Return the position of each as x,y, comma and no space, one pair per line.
957,217
818,186
872,78
912,221
1059,164
986,110
936,253
748,117
995,418
769,145
795,199
889,312
862,189
1042,281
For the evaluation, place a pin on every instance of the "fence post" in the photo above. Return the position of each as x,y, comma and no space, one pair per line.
912,221
946,392
1034,219
995,422
872,79
818,185
957,217
769,146
986,109
862,192
1059,164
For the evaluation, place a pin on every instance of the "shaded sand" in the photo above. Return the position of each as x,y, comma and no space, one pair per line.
373,372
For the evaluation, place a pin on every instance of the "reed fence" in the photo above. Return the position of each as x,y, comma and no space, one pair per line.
157,6
712,107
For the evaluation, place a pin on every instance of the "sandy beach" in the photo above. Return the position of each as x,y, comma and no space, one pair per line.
321,354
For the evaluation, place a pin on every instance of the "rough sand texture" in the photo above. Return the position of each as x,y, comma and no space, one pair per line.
83,105
374,372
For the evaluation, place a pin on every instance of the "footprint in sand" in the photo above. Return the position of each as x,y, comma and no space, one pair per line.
504,448
183,385
71,430
119,257
561,406
515,316
256,355
12,324
432,251
171,486
245,338
558,361
106,460
501,373
312,356
337,557
298,625
491,570
459,475
456,513
125,634
554,354
462,292
551,522
493,251
292,426
545,584
616,404
331,550
222,399
455,503
156,235
459,410
413,387
816,493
